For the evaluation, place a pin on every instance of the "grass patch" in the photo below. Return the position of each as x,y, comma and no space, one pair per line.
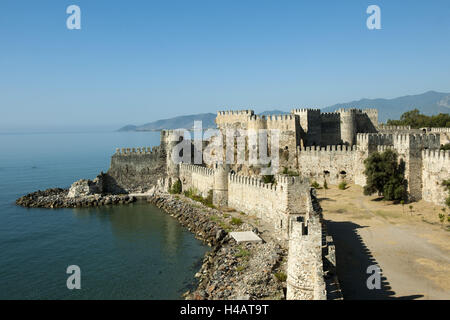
281,276
242,253
236,221
315,185
193,194
342,185
241,267
220,222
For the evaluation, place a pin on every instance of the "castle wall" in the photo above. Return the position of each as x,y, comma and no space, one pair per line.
333,163
197,177
409,147
310,126
233,119
330,123
305,272
276,203
443,132
436,168
135,169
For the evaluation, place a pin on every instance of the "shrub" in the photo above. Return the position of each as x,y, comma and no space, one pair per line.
385,175
236,221
176,187
315,185
192,193
446,185
342,185
242,253
269,179
325,184
445,147
281,276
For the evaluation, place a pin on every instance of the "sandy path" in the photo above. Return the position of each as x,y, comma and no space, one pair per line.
412,249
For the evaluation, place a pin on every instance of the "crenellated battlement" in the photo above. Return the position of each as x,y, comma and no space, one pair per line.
192,168
384,148
281,117
250,181
305,110
330,116
370,110
136,151
333,148
443,155
437,130
236,113
363,139
416,140
384,127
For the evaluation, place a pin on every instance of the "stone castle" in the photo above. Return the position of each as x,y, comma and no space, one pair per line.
316,147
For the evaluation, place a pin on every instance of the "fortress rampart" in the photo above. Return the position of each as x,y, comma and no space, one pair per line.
331,163
305,272
276,204
436,168
134,169
197,177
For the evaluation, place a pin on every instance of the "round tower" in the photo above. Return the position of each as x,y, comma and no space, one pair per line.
220,189
348,126
169,139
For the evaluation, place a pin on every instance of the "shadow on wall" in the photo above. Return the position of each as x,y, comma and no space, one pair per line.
352,260
110,185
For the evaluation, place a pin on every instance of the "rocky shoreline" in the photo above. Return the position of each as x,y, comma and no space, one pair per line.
229,270
58,198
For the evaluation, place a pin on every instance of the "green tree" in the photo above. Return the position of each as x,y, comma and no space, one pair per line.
446,185
385,175
416,120
176,187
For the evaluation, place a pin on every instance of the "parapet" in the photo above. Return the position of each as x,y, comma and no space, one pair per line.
330,116
374,139
234,178
192,168
384,127
384,148
331,148
305,110
437,130
443,155
236,113
136,151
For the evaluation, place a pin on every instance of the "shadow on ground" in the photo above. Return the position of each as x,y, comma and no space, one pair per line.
352,260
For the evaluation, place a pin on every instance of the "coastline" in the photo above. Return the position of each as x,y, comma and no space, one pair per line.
229,271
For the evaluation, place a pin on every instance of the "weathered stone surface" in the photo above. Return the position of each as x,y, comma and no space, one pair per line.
82,188
245,236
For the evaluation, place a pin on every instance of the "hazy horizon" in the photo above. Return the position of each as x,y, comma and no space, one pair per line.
145,61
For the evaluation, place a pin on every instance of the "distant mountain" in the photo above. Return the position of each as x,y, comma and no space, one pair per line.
186,122
428,103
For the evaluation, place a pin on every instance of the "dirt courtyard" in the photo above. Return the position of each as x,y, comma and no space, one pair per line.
411,247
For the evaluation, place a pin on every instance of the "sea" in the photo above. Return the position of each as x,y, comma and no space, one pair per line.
133,251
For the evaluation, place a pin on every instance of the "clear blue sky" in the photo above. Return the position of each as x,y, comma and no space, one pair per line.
138,61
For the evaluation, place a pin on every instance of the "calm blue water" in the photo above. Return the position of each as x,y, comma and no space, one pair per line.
124,252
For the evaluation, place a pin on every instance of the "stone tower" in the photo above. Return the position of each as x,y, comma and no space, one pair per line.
348,126
220,189
170,139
